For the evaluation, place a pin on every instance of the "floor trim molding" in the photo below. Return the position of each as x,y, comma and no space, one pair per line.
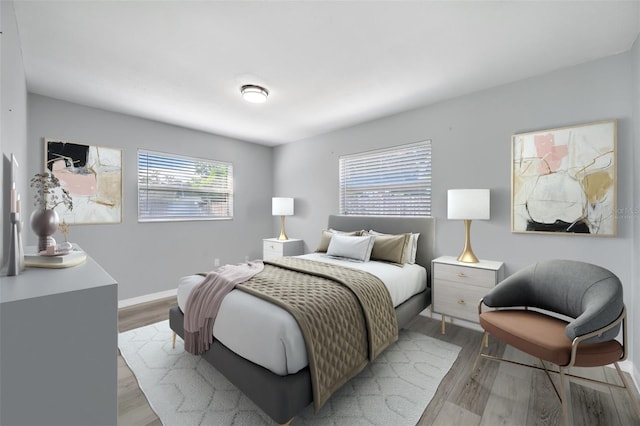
125,303
628,366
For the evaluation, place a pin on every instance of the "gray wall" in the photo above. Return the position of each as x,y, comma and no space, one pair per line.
471,148
148,258
471,140
13,115
636,204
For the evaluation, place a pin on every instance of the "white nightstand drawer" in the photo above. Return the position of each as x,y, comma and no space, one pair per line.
458,300
458,287
272,248
271,254
465,275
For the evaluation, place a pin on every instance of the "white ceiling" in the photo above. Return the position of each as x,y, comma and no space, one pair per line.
327,64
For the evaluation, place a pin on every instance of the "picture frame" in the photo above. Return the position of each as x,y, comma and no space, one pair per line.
93,177
564,180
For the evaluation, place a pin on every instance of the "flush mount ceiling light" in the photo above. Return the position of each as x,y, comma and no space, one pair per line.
253,93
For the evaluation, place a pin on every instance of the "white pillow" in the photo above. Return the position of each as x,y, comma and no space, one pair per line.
351,247
411,257
411,250
325,238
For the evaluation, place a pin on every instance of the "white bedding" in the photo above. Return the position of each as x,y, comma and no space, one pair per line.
268,335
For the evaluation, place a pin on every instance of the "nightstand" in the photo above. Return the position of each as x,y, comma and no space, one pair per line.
457,287
273,247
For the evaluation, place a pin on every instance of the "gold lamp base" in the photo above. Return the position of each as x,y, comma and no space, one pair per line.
467,255
283,234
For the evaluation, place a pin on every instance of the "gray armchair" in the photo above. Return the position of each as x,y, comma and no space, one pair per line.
577,314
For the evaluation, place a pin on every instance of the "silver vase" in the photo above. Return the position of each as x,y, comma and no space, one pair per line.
44,224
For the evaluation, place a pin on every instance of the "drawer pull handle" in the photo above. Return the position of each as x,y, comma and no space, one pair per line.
460,302
461,275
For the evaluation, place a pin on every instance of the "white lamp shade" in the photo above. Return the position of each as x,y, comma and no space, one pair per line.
281,206
473,204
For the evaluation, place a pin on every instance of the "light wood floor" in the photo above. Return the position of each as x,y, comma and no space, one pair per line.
500,394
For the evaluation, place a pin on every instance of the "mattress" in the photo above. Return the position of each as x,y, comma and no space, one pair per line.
269,336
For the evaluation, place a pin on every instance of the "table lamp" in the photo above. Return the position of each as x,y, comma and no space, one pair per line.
468,204
282,207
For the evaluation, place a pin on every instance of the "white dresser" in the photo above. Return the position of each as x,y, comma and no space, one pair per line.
273,248
458,286
59,345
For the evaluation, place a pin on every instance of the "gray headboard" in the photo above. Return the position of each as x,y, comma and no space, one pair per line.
426,226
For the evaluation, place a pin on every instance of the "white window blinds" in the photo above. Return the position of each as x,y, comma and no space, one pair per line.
393,181
175,187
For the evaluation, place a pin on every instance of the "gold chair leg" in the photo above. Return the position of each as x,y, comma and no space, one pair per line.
484,339
173,340
625,382
564,397
553,385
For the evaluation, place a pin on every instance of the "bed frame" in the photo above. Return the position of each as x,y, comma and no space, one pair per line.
282,397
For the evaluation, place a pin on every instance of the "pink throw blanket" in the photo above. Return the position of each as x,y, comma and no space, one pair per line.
205,299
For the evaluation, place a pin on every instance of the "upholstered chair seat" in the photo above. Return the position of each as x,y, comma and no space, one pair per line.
543,336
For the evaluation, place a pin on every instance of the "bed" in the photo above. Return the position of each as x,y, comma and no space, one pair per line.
280,389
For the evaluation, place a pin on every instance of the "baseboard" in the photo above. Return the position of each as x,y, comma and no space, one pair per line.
147,298
630,368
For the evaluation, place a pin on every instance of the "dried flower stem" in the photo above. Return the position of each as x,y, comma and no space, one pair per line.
46,197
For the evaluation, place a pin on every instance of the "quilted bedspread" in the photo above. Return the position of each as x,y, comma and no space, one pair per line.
346,316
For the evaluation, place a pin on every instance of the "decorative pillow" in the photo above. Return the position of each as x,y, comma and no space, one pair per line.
326,238
351,247
390,248
410,250
411,256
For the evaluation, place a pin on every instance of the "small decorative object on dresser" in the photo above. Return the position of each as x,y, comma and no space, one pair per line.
16,252
273,247
49,195
58,256
457,286
64,230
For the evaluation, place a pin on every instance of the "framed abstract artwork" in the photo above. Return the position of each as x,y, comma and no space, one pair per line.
92,175
564,180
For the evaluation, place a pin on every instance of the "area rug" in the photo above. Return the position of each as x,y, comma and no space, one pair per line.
184,389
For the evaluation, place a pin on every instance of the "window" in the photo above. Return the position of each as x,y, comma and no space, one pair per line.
175,187
393,181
